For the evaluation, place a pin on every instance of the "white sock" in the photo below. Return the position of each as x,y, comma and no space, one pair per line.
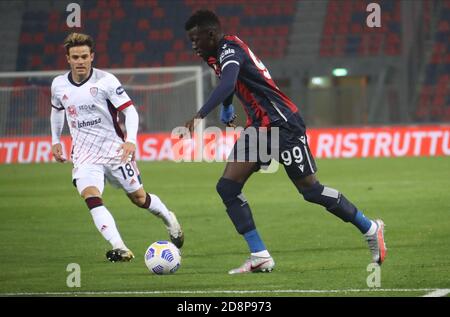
262,254
158,208
373,228
106,225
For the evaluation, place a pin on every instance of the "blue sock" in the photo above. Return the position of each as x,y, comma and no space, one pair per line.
362,222
254,241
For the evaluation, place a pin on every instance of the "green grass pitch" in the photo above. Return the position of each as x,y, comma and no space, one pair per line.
45,225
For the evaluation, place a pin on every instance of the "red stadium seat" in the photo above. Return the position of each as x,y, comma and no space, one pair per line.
130,60
139,47
49,49
154,35
170,58
38,38
143,24
53,26
356,28
93,14
106,15
36,61
119,14
126,47
167,34
100,47
178,45
158,13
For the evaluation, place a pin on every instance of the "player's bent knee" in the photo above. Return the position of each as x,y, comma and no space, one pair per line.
139,199
228,189
331,199
90,191
313,193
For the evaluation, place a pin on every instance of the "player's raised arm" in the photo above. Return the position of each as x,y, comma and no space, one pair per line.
219,95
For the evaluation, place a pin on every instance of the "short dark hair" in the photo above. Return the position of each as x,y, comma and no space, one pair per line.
202,19
78,39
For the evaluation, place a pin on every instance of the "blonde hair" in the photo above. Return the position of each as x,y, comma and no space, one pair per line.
78,39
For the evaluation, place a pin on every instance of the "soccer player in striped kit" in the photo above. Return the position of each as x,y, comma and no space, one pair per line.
91,99
244,75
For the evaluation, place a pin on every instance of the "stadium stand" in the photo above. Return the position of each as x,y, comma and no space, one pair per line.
140,33
344,35
150,33
434,100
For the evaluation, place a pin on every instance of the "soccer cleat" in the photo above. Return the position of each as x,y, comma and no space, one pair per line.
255,264
119,255
175,231
376,243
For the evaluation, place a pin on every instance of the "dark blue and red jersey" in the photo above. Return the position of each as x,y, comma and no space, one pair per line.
265,104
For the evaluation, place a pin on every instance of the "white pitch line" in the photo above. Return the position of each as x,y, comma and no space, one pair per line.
292,291
438,293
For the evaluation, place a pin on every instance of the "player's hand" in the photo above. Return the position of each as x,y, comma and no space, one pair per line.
191,124
227,115
127,149
58,153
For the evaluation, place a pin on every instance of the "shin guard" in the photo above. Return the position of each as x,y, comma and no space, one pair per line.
332,200
237,207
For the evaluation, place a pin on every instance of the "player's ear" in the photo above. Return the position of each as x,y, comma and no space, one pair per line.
92,56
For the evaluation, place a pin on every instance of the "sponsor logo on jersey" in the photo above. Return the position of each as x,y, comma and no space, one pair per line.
65,97
73,124
120,90
72,111
83,124
94,91
226,53
86,107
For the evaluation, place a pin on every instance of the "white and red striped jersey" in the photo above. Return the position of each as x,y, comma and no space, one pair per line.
92,115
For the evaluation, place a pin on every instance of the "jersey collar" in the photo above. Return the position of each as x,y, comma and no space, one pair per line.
69,76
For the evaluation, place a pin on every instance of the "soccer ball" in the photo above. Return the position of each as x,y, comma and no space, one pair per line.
162,257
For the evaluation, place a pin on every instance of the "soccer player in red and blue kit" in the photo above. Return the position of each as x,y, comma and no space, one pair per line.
244,75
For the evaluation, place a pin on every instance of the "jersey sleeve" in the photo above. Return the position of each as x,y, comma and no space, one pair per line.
56,103
116,94
230,53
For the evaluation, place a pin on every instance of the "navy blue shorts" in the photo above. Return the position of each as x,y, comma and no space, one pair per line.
287,144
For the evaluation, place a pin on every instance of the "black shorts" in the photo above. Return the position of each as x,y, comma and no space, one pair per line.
287,144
